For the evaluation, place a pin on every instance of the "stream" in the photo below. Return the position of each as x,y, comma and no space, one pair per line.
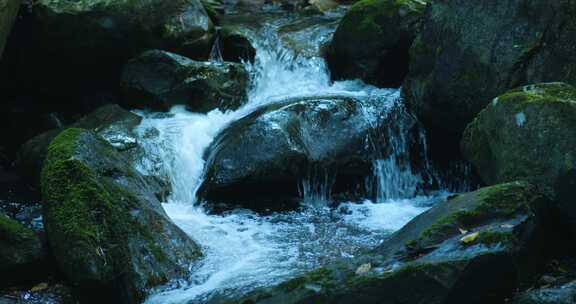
244,250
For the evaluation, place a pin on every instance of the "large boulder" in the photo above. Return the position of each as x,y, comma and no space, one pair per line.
113,123
260,160
528,133
8,13
159,80
108,232
21,252
474,248
123,27
373,40
469,52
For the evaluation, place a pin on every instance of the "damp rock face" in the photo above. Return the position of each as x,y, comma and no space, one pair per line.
259,160
469,52
372,41
123,27
158,80
8,13
109,234
528,133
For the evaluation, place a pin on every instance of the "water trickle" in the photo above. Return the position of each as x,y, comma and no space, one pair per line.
244,250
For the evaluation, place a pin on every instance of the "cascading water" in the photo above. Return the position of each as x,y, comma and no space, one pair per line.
245,250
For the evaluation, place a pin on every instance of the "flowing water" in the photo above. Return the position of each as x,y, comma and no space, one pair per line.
244,250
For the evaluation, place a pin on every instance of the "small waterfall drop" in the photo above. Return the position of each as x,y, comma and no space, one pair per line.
244,250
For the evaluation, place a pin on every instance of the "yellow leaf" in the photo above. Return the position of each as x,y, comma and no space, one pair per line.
364,268
39,287
469,238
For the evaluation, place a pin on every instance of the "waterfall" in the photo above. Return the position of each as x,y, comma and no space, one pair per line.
245,250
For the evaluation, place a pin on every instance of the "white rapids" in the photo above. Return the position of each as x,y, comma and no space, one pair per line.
244,250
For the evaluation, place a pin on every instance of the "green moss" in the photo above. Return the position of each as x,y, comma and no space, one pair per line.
489,237
500,201
12,231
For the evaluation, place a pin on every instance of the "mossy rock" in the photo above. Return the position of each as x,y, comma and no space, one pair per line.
8,13
109,234
158,80
466,55
507,222
123,28
373,40
112,122
557,294
21,252
528,133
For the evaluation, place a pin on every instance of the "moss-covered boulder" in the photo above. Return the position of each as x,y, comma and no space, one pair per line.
474,248
112,122
108,232
8,13
469,52
123,27
373,40
158,80
528,133
21,252
260,160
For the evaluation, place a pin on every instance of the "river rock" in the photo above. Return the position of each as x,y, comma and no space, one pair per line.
111,122
260,160
469,52
108,232
8,13
235,45
558,294
159,80
373,40
21,252
474,248
528,133
123,27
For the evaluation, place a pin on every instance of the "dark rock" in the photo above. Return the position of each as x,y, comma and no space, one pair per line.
123,27
159,80
563,294
373,40
260,160
42,293
431,261
108,232
8,13
111,122
21,252
235,46
469,52
529,134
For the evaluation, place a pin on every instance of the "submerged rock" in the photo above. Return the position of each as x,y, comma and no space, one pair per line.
123,27
469,52
108,232
433,259
373,40
528,133
8,13
159,80
111,122
260,160
21,253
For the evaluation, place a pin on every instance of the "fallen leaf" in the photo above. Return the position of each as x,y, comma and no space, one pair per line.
364,268
469,238
463,231
39,287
